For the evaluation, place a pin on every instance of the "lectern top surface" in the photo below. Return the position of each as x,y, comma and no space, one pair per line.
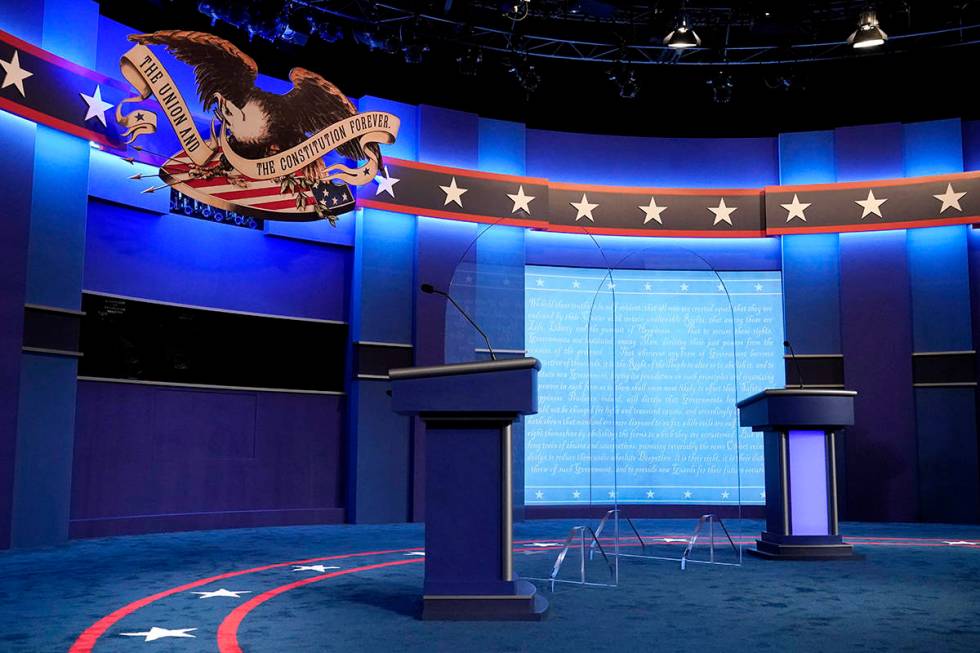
475,367
796,392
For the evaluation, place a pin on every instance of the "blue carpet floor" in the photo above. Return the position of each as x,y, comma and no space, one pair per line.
918,589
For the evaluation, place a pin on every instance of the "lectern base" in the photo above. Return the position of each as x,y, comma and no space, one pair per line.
525,606
809,551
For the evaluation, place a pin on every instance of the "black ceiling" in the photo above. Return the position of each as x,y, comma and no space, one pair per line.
925,71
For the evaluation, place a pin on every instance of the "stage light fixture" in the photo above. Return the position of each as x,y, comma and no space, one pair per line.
525,74
868,33
682,37
722,86
469,62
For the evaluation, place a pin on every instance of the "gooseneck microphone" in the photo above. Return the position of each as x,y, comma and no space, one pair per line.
429,289
796,362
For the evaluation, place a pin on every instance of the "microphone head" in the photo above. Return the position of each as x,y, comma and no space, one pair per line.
785,343
427,288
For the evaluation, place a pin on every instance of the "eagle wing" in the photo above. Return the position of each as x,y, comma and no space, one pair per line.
219,66
314,103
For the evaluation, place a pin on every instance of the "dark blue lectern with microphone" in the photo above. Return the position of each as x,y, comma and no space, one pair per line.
468,410
801,478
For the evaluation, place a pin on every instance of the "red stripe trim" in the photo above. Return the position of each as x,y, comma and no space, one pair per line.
693,233
56,123
264,191
228,630
900,181
87,639
882,226
463,172
98,77
278,205
631,190
450,215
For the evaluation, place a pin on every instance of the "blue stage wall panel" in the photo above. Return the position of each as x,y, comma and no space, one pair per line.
154,458
660,162
940,286
876,339
502,147
971,144
933,148
807,158
811,292
17,141
188,261
869,152
947,455
448,137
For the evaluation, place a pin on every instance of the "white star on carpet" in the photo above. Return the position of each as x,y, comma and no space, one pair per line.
796,209
688,494
576,494
650,494
652,211
386,184
155,633
871,205
583,209
950,199
521,201
320,569
722,213
453,193
96,106
231,594
15,75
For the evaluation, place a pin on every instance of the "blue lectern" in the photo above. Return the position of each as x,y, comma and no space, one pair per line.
801,478
468,410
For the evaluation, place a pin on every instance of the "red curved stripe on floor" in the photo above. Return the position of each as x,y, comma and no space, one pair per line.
87,639
228,630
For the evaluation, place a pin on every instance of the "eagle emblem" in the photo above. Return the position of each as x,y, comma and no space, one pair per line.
263,153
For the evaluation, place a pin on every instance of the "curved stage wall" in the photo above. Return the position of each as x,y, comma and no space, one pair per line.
890,313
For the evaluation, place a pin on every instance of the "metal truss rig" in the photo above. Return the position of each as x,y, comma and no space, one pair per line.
511,42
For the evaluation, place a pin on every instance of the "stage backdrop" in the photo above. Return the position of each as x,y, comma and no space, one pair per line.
669,379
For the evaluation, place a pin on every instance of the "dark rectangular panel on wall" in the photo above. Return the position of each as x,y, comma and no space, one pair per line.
818,371
51,329
944,368
148,341
374,359
948,480
876,338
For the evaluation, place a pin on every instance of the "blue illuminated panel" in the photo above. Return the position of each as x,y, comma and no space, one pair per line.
671,427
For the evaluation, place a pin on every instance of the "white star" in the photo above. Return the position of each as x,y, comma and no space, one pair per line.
950,199
796,209
762,494
540,282
721,287
576,494
386,184
612,494
722,213
576,284
416,553
684,287
159,633
15,75
320,569
650,494
610,286
96,105
453,193
724,495
758,287
687,494
521,201
539,494
648,286
871,205
652,211
583,209
232,594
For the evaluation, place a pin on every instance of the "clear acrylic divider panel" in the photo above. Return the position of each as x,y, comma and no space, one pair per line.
688,343
564,455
